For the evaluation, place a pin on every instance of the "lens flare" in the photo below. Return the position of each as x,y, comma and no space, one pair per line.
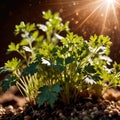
101,11
110,2
91,16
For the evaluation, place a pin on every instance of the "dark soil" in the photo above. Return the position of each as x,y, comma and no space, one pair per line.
107,108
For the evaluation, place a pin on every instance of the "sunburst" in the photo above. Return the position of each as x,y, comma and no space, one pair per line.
92,11
90,15
110,2
102,8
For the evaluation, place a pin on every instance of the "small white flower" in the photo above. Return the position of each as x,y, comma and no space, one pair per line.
42,27
103,50
108,69
106,58
58,36
48,24
26,48
45,62
89,80
90,61
25,35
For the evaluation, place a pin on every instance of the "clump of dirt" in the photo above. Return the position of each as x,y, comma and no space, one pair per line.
12,97
112,94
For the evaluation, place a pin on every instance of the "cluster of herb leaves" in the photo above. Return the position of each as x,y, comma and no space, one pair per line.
58,63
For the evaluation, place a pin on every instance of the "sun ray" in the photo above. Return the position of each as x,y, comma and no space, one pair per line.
107,8
90,14
109,2
110,7
115,15
105,18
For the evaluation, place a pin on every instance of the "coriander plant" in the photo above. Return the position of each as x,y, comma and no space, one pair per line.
60,66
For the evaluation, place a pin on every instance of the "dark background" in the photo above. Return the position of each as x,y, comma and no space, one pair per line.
12,12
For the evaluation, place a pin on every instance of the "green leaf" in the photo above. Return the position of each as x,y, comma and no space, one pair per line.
13,64
5,85
79,70
35,34
64,50
13,47
24,42
38,58
8,82
90,68
30,27
59,61
48,94
19,28
66,26
40,39
64,41
69,60
116,67
93,38
30,69
52,98
43,96
56,88
47,15
96,77
59,68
